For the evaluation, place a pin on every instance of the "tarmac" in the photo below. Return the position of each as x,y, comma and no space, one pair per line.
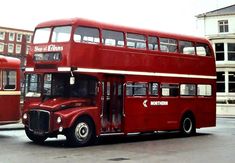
20,126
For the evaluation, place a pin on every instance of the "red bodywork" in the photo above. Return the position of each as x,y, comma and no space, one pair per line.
136,117
9,99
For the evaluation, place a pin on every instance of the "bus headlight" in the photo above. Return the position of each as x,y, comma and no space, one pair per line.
59,120
25,116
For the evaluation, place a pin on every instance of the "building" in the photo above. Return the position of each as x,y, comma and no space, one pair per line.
219,27
15,42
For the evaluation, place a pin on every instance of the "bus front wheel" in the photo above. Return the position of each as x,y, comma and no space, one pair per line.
188,125
82,133
35,138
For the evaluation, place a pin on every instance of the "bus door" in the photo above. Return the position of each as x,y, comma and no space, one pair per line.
112,104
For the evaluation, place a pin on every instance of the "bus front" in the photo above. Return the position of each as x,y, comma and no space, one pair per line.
56,98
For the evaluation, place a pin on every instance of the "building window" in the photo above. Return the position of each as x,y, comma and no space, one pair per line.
220,83
27,49
28,38
19,37
1,47
18,49
10,48
11,36
231,51
219,50
2,35
223,26
231,85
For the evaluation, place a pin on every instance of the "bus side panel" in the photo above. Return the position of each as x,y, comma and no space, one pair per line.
10,108
207,114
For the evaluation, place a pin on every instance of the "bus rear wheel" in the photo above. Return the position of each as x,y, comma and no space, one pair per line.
82,133
188,125
35,138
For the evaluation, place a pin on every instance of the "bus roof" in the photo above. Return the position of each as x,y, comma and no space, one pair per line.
91,23
9,62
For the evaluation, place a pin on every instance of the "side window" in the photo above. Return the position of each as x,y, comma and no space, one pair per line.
136,89
86,35
136,41
202,49
168,45
204,90
112,38
170,90
152,43
186,47
9,80
187,89
153,89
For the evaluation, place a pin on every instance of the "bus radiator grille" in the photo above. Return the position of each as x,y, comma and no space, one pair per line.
39,121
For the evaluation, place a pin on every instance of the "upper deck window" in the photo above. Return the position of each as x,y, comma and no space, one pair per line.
153,43
112,38
186,47
42,35
136,41
168,45
202,49
61,34
9,80
86,35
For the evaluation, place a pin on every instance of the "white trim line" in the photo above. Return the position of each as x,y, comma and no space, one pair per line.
11,93
143,73
29,69
64,69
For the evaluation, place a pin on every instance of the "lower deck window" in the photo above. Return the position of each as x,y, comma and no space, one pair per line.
136,89
204,90
170,90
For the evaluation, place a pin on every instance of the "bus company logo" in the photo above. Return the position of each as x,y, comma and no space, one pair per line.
159,103
55,48
48,48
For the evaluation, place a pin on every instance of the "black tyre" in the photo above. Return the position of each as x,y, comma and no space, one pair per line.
188,125
82,133
35,138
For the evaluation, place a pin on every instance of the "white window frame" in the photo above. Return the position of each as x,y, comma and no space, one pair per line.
223,24
13,36
19,37
18,48
28,38
27,49
2,35
8,48
2,45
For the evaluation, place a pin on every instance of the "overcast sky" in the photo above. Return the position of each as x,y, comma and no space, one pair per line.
177,16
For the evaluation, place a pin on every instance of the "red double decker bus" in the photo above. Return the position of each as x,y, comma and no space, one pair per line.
9,90
85,79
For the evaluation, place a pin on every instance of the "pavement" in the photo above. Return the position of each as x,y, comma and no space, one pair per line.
15,126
